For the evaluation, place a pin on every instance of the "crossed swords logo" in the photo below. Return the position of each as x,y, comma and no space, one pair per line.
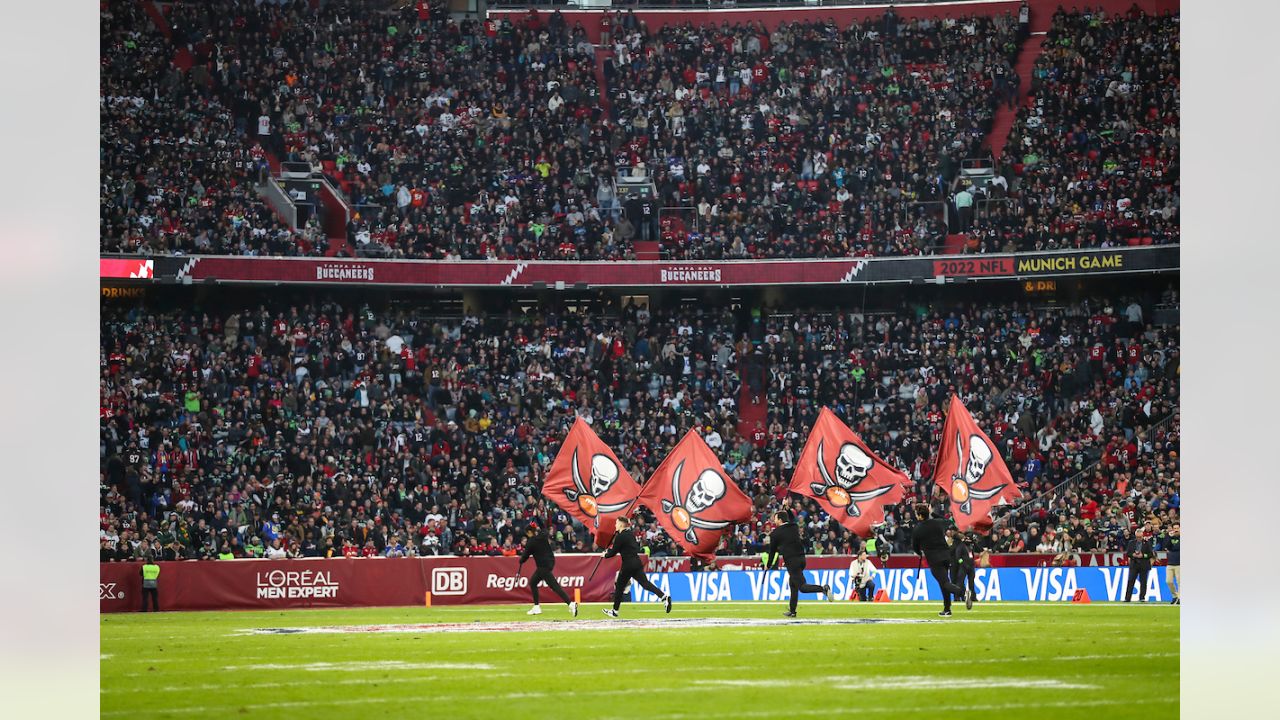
706,490
968,475
852,466
603,475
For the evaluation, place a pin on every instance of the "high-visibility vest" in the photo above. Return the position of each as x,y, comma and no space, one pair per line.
150,572
871,546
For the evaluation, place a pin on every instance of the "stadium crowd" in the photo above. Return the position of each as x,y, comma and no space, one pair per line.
315,429
177,169
1095,153
470,139
811,140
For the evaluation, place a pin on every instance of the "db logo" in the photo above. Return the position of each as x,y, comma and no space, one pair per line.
449,581
107,591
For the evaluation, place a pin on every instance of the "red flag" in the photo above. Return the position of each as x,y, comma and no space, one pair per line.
693,499
848,480
971,471
589,483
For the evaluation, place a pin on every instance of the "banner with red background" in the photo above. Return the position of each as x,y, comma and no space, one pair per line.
286,584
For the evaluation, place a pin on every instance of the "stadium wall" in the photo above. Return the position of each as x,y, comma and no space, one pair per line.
1044,584
282,584
567,275
1041,13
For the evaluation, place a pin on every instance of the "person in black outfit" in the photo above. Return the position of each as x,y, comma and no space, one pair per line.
538,545
1171,543
785,542
1139,551
929,540
625,544
962,568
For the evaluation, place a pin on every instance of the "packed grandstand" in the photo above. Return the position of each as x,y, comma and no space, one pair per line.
517,136
323,422
349,429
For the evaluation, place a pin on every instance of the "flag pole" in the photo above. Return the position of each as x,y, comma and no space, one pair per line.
625,513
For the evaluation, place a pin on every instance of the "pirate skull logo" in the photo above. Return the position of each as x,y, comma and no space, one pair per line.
852,466
706,490
969,473
604,473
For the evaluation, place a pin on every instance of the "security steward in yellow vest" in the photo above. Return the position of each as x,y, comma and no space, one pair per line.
150,584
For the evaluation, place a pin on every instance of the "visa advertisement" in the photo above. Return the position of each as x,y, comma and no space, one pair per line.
1048,584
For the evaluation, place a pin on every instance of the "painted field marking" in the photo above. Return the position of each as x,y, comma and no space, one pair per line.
520,626
355,666
930,708
363,681
908,682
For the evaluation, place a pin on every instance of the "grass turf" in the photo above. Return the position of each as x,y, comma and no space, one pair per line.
1005,659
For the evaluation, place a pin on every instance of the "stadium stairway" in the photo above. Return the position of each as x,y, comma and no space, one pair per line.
181,57
752,407
1023,65
336,236
954,244
601,55
650,250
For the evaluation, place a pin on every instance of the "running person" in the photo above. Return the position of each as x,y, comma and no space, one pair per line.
929,540
538,545
625,544
785,542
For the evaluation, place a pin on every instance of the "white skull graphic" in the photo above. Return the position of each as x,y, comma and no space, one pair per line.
979,456
852,465
708,488
603,474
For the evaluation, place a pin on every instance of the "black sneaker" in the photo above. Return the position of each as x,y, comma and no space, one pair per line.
611,612
788,614
667,601
968,598
1177,601
945,613
826,592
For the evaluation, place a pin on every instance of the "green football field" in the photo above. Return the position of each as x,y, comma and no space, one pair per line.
709,660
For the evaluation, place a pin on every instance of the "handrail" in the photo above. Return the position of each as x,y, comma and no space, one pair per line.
746,261
703,5
1056,489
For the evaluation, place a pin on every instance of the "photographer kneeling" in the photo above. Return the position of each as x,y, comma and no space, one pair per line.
862,578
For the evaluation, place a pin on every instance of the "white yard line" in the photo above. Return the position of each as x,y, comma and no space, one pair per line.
360,665
421,699
931,708
906,682
365,681
426,700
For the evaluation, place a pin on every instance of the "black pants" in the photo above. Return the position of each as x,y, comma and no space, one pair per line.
867,591
1138,572
154,594
795,575
626,575
966,573
543,575
940,566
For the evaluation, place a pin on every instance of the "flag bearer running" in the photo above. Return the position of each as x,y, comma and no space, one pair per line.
785,542
538,545
625,544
